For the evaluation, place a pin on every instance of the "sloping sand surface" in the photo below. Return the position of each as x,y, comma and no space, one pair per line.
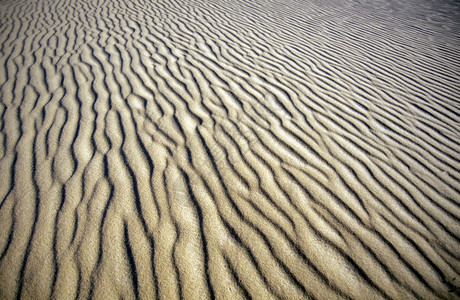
229,149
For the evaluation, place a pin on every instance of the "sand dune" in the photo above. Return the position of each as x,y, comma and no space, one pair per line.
229,149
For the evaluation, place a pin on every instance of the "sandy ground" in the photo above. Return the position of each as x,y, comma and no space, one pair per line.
229,149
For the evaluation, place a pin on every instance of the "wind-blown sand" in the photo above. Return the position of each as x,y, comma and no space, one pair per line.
229,149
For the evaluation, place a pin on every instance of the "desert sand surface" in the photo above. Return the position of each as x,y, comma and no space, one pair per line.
229,149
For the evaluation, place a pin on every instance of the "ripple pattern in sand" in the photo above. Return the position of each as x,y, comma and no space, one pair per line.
229,149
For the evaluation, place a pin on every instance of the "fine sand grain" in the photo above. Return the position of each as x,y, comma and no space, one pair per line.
229,149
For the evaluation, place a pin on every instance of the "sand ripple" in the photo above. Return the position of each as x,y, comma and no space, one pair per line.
229,149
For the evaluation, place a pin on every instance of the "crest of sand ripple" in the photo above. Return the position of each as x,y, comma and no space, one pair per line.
229,149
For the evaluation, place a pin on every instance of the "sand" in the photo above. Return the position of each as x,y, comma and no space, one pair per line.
229,149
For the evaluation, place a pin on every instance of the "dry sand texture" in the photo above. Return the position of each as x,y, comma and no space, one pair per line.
229,149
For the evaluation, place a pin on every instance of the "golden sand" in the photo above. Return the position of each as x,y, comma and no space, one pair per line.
229,149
